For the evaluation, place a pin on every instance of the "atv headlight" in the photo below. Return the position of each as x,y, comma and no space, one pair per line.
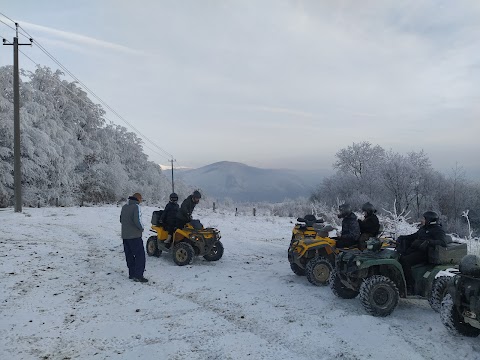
358,263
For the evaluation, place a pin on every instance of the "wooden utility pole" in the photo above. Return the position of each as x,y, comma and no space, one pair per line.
17,168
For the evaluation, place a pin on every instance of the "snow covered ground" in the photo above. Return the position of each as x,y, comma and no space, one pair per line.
65,294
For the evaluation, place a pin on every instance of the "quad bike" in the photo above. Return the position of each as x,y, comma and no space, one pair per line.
377,275
192,240
311,251
460,310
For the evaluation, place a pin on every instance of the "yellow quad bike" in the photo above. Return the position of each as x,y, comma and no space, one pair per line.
311,251
193,240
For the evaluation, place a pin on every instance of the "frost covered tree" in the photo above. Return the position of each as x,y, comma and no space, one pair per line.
69,154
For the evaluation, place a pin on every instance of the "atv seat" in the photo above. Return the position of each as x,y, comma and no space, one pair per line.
452,254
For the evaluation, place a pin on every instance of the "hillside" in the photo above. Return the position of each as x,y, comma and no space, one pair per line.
241,182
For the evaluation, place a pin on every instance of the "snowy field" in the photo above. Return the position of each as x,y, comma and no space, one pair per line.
65,294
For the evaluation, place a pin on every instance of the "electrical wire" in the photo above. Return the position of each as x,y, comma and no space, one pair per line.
90,105
46,52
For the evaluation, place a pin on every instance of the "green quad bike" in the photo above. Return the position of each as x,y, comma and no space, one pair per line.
311,251
460,311
377,276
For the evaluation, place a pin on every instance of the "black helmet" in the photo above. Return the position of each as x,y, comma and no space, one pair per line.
368,208
344,210
196,194
173,197
430,217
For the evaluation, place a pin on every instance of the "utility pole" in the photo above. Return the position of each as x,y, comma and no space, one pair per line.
173,185
17,168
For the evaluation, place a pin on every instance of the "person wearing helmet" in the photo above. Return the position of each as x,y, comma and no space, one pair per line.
369,226
184,215
350,227
414,248
169,216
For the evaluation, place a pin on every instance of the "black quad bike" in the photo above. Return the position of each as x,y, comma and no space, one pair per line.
460,310
377,276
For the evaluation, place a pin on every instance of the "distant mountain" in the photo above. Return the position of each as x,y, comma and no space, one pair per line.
243,183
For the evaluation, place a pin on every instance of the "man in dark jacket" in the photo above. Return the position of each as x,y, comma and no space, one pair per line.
369,226
414,247
184,215
350,228
169,216
132,229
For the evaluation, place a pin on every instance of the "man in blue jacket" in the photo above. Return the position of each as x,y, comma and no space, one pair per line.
132,229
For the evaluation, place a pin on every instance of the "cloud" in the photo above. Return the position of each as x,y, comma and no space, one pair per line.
80,39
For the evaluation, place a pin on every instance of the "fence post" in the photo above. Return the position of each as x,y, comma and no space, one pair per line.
254,211
214,207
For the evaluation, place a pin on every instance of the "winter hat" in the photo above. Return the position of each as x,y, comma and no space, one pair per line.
137,196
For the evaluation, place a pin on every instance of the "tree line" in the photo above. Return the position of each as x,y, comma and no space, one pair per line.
70,154
367,172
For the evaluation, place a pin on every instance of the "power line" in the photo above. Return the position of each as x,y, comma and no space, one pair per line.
92,106
46,52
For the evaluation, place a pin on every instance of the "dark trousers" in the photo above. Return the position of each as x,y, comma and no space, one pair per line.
345,242
135,256
410,260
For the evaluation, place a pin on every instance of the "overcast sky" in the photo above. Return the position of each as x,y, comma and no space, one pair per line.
275,84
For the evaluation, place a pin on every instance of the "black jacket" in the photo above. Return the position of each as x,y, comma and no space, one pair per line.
350,228
169,213
186,210
370,225
427,235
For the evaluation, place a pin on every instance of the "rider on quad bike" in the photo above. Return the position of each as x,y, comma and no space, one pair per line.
189,240
378,276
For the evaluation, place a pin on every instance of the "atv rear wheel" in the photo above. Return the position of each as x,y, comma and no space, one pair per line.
453,320
297,270
439,290
183,253
152,248
339,289
318,271
216,253
379,295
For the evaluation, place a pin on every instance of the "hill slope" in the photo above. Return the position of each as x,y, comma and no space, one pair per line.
241,182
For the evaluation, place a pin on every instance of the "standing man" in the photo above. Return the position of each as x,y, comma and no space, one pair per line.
132,229
184,215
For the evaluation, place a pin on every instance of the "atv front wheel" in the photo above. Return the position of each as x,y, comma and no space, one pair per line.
216,253
318,271
339,289
152,248
379,295
453,320
439,290
183,253
297,270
